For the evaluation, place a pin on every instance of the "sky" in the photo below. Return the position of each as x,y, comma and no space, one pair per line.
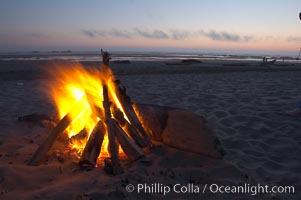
239,26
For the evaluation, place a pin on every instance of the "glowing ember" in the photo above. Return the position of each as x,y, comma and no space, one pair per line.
69,92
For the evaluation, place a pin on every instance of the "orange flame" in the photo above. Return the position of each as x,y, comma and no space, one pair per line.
69,92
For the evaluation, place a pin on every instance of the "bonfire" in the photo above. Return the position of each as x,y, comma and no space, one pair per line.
98,117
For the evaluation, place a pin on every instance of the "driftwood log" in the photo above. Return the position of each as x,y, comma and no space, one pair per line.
93,146
106,57
130,113
181,129
113,148
128,146
95,109
40,153
124,99
153,117
128,128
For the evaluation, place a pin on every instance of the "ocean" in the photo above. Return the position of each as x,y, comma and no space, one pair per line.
136,56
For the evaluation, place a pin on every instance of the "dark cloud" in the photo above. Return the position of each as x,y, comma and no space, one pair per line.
120,33
155,34
225,36
293,39
110,33
91,34
180,35
172,34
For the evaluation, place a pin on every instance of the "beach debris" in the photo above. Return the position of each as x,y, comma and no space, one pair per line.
185,62
191,61
104,125
122,61
265,61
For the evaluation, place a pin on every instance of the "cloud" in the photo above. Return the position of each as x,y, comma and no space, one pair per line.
226,36
293,39
155,34
165,35
120,33
180,35
91,34
110,33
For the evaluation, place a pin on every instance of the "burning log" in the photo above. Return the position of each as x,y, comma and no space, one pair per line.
93,146
95,109
124,99
127,127
113,150
128,146
81,136
130,113
38,156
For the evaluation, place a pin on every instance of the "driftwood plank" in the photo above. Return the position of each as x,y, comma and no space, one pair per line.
95,109
128,146
93,146
40,153
130,113
128,128
124,99
113,150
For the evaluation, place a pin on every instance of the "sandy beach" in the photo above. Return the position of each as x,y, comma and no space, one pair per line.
245,106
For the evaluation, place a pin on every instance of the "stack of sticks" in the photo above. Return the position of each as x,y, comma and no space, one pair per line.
129,134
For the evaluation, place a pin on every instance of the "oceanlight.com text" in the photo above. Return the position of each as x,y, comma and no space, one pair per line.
164,189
